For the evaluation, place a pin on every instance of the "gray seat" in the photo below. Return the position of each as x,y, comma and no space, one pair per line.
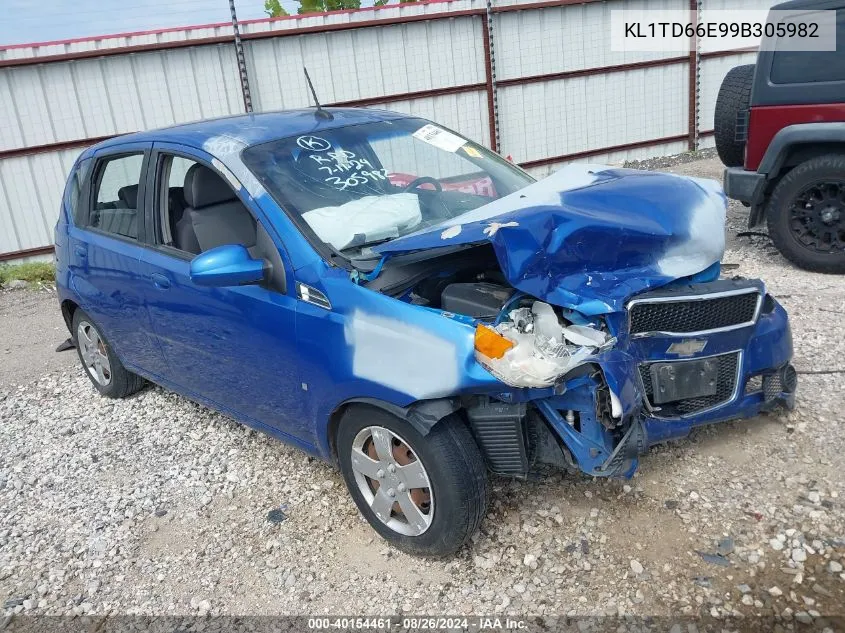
215,214
128,195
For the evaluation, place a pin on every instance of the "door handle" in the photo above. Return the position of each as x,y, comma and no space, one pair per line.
160,281
80,250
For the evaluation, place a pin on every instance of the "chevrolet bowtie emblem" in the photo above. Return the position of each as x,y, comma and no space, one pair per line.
687,347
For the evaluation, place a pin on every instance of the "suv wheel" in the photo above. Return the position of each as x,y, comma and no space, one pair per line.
100,362
424,494
806,214
731,108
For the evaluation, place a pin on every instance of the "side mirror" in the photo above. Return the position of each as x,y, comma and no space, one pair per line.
227,265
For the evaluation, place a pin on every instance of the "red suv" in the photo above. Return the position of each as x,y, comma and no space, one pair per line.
780,130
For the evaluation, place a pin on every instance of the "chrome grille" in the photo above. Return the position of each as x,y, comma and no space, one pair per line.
725,387
693,314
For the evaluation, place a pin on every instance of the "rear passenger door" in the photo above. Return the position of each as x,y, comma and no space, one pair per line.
105,246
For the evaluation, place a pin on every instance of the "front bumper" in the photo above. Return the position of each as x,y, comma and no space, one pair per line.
764,380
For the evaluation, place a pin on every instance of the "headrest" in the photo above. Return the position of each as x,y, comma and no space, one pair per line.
176,198
203,187
129,195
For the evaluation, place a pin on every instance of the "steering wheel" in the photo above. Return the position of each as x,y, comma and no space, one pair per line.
416,182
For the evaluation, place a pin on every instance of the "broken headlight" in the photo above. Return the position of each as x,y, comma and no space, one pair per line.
531,348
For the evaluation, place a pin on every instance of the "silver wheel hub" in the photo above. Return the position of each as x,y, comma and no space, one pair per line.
95,359
393,480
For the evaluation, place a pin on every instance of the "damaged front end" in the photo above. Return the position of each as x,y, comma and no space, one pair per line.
595,304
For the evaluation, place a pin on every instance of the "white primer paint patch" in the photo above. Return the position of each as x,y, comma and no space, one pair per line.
227,174
403,357
228,150
706,243
491,229
452,231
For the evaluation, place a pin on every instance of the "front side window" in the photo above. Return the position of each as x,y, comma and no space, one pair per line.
197,210
362,184
115,197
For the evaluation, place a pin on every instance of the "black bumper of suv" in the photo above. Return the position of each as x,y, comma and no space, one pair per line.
748,187
743,185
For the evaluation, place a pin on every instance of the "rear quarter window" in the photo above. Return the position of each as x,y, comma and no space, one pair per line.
73,192
800,67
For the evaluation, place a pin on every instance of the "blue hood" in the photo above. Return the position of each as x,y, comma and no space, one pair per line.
588,237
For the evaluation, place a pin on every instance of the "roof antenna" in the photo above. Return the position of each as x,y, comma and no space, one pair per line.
320,113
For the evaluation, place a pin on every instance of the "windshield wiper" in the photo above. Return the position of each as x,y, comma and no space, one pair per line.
363,245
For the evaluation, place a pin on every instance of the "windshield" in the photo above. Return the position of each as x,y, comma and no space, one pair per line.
359,185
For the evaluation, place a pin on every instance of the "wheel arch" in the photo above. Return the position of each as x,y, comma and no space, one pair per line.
69,308
422,415
800,141
790,147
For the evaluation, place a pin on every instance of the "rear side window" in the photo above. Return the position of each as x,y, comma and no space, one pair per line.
800,67
115,196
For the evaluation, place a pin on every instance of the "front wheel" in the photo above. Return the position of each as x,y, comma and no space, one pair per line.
424,494
806,214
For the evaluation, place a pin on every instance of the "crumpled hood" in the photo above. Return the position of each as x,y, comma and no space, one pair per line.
588,237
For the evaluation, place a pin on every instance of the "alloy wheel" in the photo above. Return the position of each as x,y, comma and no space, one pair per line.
93,352
817,216
393,480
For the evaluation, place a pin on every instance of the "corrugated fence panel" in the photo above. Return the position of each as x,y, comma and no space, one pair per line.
365,63
602,115
31,189
559,39
465,113
578,114
87,98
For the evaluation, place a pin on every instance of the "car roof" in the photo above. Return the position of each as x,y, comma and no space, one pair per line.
252,129
808,4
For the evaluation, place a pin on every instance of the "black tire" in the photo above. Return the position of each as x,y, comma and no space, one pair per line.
826,169
733,100
456,470
121,382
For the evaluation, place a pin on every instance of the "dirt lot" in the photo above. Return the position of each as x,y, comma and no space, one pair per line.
156,505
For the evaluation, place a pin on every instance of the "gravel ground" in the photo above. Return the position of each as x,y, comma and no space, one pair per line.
156,505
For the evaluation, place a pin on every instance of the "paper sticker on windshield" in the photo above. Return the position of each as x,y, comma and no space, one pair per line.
439,137
471,151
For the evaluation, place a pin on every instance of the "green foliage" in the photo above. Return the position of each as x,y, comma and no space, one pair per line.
274,9
319,6
30,271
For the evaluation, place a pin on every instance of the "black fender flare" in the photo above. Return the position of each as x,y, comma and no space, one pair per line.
422,415
832,132
775,156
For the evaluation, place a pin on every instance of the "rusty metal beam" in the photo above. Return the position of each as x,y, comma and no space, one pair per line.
598,70
27,252
603,150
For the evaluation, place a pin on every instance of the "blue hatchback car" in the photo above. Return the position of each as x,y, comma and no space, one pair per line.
396,299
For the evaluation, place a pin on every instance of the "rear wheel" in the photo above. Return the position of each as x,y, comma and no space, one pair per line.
806,214
424,494
99,361
731,110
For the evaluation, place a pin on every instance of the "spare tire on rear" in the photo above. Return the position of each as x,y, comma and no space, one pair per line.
731,113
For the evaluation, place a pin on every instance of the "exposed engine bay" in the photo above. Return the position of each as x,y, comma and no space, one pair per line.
522,341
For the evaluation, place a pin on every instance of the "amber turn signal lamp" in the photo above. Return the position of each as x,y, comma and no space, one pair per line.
489,343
